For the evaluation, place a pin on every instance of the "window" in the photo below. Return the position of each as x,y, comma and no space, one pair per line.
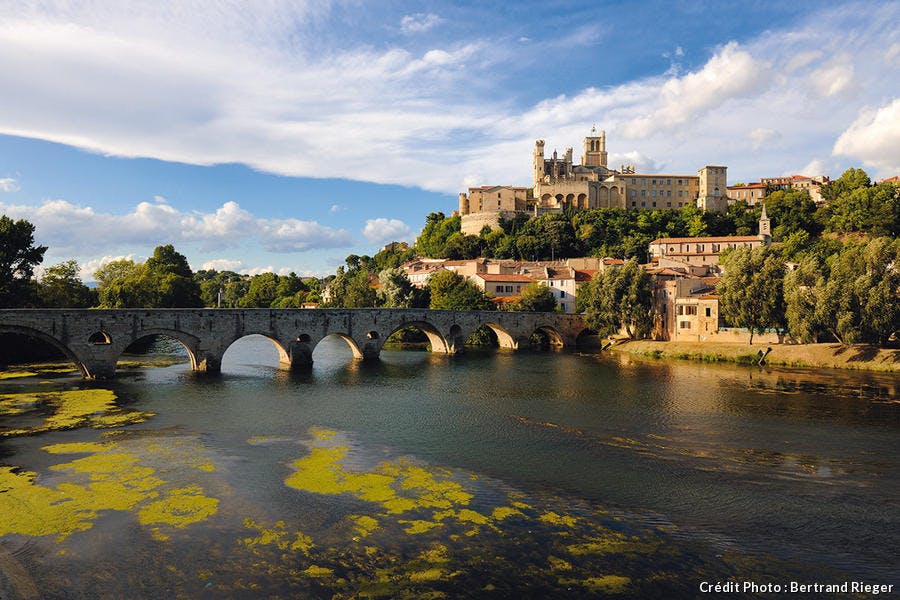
653,193
634,193
562,294
708,311
509,289
668,182
690,310
633,204
643,193
633,180
653,182
669,204
684,324
680,204
680,193
668,193
679,310
643,204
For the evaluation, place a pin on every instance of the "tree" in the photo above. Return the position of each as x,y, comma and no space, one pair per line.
434,236
619,298
450,291
751,292
173,281
262,292
536,298
800,287
352,289
164,281
18,257
61,287
125,284
395,290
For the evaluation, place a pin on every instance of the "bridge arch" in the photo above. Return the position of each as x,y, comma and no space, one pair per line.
50,340
100,338
436,339
504,337
553,336
187,340
283,355
354,347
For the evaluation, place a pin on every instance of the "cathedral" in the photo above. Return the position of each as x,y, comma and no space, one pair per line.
561,184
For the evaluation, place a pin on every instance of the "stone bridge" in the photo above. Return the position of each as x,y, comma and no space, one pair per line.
94,339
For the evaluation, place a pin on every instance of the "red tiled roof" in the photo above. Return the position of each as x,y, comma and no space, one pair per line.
720,239
584,275
511,277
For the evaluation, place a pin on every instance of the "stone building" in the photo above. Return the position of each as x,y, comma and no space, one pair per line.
560,183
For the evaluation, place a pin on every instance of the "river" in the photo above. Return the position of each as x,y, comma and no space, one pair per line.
489,474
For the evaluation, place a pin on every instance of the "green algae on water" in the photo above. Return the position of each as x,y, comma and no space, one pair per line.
68,409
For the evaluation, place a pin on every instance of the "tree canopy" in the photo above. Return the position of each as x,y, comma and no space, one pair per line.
18,257
619,298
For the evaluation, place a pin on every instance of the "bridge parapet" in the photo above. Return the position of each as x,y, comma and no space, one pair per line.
94,339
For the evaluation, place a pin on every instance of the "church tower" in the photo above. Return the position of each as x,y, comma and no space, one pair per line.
594,149
765,227
538,162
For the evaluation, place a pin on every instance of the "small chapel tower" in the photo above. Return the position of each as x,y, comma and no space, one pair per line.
765,227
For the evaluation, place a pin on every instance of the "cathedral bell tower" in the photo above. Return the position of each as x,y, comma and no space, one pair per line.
594,149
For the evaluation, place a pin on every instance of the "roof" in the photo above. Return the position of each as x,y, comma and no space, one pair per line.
584,274
613,261
505,299
511,277
692,240
748,186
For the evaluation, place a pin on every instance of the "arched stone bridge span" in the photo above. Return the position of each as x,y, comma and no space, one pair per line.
94,339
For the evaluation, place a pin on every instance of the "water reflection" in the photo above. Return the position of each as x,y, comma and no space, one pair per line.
541,472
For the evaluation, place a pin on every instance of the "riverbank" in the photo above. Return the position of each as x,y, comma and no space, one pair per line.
832,356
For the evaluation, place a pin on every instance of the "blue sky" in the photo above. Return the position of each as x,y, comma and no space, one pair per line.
286,135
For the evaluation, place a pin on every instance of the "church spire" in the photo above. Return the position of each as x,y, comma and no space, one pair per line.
765,226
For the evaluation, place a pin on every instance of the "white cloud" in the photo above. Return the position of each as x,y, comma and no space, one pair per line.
419,22
731,73
382,231
833,78
222,264
814,168
643,164
336,208
8,184
160,200
801,59
761,136
874,138
212,86
679,51
65,226
268,269
89,267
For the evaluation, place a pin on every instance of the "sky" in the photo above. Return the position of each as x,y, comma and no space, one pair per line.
284,136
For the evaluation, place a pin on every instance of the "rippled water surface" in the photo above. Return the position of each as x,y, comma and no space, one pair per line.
484,475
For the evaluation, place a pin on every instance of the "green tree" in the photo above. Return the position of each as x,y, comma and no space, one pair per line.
800,298
61,287
262,292
450,291
433,238
751,292
18,258
352,289
536,298
619,298
172,279
395,289
125,284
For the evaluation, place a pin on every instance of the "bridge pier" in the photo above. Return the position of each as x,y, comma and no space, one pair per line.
208,363
301,354
98,368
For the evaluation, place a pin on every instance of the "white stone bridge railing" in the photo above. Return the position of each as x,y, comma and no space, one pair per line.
95,338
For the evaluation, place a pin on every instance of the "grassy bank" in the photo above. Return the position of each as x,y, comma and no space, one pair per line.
835,356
